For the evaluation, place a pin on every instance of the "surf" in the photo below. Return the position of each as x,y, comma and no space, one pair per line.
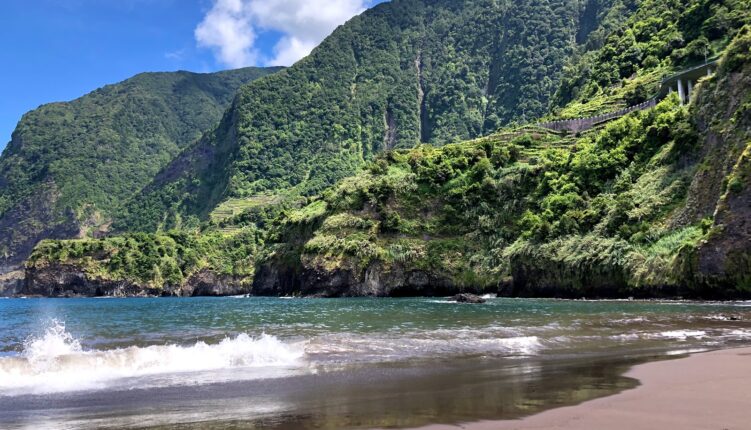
56,362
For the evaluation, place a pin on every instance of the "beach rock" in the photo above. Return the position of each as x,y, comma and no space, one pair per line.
468,298
68,280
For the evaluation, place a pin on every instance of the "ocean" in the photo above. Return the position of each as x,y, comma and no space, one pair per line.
292,363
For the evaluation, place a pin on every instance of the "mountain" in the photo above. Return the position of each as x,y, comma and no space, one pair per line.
403,73
70,165
650,203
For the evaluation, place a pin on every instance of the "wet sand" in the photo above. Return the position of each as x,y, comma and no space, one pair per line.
704,391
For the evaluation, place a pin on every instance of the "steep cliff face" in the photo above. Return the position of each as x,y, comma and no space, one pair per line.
724,114
377,280
69,166
11,283
31,219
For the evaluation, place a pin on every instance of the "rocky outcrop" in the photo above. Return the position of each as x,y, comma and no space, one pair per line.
723,260
208,283
376,280
11,281
67,280
468,298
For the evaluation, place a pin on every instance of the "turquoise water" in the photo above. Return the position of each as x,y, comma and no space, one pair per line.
77,363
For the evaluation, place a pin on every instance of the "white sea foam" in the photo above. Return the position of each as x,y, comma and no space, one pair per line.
625,337
629,320
683,334
342,347
526,345
738,333
56,362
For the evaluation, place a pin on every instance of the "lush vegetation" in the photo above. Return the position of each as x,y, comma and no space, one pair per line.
404,73
468,211
655,202
154,260
75,163
628,209
625,67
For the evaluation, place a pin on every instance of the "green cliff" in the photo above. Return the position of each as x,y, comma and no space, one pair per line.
69,166
403,73
655,203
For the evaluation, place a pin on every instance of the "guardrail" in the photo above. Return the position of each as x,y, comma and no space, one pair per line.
582,124
688,75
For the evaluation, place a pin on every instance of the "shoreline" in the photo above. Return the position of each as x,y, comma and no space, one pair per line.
702,391
250,295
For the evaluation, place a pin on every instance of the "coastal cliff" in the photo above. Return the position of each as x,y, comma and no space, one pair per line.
375,281
69,280
70,165
653,202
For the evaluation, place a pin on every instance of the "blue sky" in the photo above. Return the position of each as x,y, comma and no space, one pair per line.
57,50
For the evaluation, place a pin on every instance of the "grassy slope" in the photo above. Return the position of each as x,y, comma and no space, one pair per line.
477,212
623,62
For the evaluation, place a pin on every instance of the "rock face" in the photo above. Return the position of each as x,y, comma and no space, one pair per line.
64,280
375,281
11,282
208,283
468,298
724,259
30,220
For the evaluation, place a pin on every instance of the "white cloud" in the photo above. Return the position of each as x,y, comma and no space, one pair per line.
228,30
231,26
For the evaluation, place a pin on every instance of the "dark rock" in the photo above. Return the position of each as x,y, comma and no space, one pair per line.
67,280
19,235
208,283
11,282
468,298
377,280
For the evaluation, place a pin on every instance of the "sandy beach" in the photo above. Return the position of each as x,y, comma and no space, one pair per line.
709,390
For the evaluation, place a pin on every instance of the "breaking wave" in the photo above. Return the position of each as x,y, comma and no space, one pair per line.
56,361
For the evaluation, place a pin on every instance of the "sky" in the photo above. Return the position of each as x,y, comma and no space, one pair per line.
58,50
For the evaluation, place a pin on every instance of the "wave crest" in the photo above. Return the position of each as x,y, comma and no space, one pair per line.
56,362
